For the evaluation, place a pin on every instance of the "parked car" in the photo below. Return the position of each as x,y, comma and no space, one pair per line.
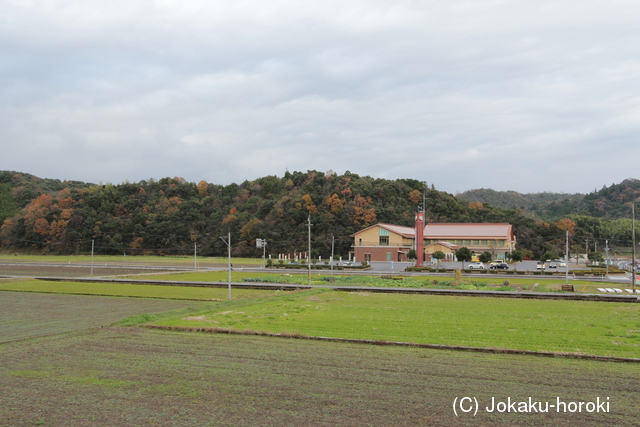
499,266
476,266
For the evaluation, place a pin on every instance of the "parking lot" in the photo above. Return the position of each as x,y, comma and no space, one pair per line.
519,266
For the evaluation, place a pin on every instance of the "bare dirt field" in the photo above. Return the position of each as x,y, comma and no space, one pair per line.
27,314
82,268
61,270
114,376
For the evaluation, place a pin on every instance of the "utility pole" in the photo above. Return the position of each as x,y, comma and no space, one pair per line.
264,253
333,241
92,246
228,242
309,252
586,250
195,256
633,248
606,249
566,251
424,202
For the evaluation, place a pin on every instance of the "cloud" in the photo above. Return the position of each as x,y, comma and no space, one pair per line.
523,96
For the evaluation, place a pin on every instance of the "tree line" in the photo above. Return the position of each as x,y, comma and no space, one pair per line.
173,216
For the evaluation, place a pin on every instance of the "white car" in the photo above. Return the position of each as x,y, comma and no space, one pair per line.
476,266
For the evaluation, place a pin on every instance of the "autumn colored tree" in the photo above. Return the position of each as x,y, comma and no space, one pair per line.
203,188
567,225
309,205
45,219
231,217
414,197
335,203
363,215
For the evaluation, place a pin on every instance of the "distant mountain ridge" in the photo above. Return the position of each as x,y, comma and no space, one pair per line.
514,200
609,202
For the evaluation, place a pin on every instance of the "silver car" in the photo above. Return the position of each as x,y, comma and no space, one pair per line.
476,266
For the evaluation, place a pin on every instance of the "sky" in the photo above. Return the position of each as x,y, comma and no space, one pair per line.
509,95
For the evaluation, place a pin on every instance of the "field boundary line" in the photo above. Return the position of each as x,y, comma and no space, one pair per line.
417,291
113,295
565,355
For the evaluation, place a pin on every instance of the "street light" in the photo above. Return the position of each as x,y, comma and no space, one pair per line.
228,243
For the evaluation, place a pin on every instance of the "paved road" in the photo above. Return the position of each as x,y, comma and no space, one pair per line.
520,266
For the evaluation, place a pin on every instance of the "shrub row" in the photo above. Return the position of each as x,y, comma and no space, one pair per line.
321,267
594,272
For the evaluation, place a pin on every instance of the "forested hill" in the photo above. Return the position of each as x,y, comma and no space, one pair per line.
170,215
17,190
611,202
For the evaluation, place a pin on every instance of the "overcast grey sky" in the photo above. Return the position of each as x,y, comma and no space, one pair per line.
527,96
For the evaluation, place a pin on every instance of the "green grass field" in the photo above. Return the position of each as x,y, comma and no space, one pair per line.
604,329
583,327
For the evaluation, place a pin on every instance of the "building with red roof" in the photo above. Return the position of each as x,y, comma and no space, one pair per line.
388,242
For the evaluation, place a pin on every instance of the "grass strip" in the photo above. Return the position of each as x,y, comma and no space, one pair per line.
440,282
129,259
129,290
146,318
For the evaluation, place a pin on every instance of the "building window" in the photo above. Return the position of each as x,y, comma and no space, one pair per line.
384,237
474,243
